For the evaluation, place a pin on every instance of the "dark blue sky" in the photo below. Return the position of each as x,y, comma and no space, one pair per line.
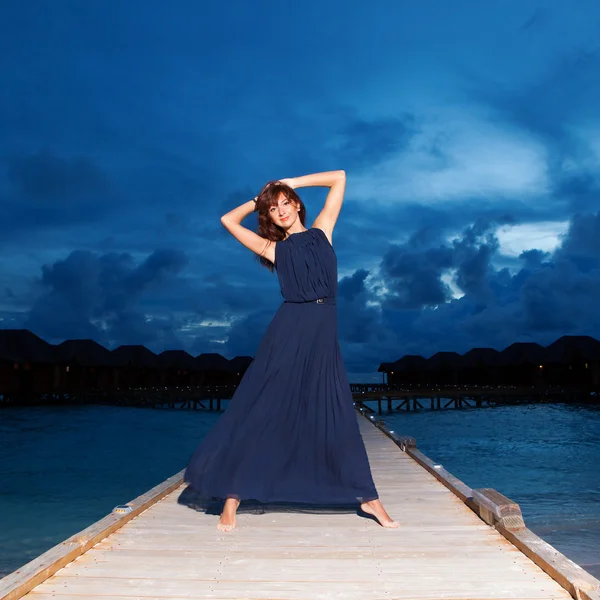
469,131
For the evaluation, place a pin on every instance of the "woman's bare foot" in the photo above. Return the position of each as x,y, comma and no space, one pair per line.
227,520
375,508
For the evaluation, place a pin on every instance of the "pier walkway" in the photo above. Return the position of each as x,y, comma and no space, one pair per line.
443,548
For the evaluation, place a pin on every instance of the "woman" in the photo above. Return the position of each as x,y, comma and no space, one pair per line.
290,432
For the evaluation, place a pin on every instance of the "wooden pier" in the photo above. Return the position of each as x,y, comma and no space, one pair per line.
387,397
453,542
438,398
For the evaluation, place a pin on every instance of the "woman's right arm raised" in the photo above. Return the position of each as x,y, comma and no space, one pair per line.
232,221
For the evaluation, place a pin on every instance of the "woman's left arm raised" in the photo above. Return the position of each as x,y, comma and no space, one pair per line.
336,181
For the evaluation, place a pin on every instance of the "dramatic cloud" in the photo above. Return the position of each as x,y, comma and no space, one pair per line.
470,134
548,295
414,275
100,297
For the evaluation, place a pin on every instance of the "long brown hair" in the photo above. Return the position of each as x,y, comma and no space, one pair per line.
268,197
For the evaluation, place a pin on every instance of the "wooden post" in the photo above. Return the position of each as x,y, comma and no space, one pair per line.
496,508
505,515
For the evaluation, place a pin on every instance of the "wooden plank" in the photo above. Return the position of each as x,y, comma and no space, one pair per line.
408,444
21,581
295,591
505,515
577,581
172,589
291,594
187,564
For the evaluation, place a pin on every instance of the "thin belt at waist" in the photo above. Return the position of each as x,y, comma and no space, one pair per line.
327,300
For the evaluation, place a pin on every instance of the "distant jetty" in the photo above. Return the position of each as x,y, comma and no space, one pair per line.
32,371
569,361
568,370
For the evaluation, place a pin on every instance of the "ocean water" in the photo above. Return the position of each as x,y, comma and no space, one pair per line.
62,468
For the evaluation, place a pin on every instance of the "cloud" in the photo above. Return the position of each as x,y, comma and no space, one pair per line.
44,177
582,241
411,309
557,110
358,321
43,190
101,297
473,260
536,20
363,143
413,275
541,236
470,135
468,156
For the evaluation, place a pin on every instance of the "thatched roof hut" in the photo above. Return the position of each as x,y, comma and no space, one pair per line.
444,360
21,345
443,368
480,366
522,353
135,356
239,364
480,357
212,362
176,359
407,370
410,362
573,348
86,353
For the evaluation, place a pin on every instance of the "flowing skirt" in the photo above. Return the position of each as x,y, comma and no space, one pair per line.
290,432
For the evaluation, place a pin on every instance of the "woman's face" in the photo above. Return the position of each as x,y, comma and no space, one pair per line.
284,213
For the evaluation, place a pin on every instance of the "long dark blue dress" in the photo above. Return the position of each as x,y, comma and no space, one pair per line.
290,432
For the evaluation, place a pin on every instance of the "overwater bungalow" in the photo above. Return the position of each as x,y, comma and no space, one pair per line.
214,369
138,367
27,364
408,370
386,369
479,366
178,368
444,368
85,365
522,364
573,360
239,365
